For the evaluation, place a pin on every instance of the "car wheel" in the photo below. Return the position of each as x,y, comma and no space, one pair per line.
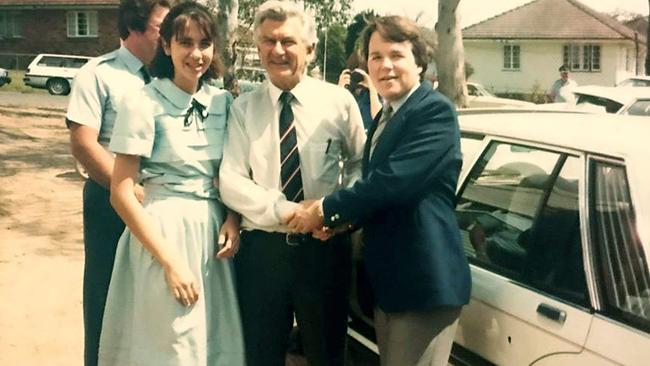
58,87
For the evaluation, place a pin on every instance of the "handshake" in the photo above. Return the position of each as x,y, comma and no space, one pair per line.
307,217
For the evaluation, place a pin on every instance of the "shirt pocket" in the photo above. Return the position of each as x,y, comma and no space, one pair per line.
325,157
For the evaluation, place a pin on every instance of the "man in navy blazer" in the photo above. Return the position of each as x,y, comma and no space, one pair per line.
405,203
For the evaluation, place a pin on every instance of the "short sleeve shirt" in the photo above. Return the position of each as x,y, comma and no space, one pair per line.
179,136
562,90
99,88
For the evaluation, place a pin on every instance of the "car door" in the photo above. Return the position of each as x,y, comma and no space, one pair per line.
518,210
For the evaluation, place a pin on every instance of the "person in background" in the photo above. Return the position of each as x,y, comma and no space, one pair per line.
357,81
405,203
285,140
172,298
98,91
562,89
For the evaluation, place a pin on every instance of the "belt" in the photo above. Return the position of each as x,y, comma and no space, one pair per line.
291,239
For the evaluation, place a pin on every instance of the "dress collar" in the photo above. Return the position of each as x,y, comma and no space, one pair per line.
178,97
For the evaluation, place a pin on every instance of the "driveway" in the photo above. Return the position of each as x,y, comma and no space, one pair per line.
33,100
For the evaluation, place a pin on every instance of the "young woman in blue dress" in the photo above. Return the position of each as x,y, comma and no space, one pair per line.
172,299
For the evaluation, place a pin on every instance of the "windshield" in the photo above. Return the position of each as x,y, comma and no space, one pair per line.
634,82
598,104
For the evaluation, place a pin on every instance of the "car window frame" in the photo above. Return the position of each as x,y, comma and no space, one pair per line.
582,206
599,299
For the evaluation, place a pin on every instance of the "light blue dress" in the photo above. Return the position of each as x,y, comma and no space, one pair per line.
180,154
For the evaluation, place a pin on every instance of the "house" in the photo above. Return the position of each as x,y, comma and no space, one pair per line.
519,51
77,27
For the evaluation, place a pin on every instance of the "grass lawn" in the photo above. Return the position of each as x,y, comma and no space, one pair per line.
17,84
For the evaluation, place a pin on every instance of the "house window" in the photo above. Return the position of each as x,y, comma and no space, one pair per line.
582,57
82,24
511,57
10,25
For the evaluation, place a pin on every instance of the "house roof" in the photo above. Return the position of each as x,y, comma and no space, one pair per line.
551,19
32,4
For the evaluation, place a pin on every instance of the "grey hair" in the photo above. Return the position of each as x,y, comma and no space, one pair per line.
279,10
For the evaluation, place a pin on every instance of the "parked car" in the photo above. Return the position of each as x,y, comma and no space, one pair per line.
555,222
633,101
4,77
618,100
54,72
639,80
479,97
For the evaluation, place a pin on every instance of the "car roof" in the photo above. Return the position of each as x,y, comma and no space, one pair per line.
580,131
60,55
622,95
639,77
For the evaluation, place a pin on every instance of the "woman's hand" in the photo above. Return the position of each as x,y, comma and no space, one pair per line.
182,283
229,236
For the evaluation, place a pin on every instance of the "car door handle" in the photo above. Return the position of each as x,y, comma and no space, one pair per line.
552,313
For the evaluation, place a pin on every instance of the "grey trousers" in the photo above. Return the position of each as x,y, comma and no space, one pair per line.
416,338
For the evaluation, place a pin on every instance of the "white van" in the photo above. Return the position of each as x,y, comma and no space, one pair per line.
54,72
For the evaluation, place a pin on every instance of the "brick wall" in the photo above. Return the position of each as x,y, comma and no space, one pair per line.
45,31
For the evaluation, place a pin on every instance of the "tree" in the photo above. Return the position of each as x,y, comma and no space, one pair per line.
336,57
647,51
450,59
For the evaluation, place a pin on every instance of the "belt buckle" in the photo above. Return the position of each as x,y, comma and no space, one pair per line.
292,240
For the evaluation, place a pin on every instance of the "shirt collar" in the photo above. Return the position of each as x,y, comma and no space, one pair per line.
400,102
132,63
178,97
300,91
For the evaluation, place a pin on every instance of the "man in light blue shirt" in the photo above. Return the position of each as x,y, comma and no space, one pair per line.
98,89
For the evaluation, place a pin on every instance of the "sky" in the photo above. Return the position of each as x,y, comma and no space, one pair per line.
474,11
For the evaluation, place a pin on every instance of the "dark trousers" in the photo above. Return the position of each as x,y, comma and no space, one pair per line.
276,280
102,230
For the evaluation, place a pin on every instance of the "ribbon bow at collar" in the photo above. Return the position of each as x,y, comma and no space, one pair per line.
196,111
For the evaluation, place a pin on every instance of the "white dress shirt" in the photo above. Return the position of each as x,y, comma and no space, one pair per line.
329,129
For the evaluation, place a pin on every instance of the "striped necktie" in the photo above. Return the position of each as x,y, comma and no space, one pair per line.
289,156
386,114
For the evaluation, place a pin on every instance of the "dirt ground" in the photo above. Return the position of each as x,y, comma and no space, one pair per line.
41,249
41,243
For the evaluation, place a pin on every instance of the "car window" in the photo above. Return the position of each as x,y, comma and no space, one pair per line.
75,62
519,217
591,102
620,257
50,61
639,108
471,90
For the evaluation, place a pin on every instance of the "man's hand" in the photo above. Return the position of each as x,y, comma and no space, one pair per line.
228,242
306,217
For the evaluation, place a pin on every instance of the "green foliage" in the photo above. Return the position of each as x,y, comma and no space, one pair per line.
326,12
335,51
469,70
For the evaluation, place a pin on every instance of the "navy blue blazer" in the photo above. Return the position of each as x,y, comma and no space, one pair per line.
405,204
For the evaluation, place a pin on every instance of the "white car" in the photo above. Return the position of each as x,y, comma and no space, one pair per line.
555,219
636,81
4,77
54,72
628,100
479,97
618,100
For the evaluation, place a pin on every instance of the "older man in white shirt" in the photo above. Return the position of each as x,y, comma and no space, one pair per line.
285,142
